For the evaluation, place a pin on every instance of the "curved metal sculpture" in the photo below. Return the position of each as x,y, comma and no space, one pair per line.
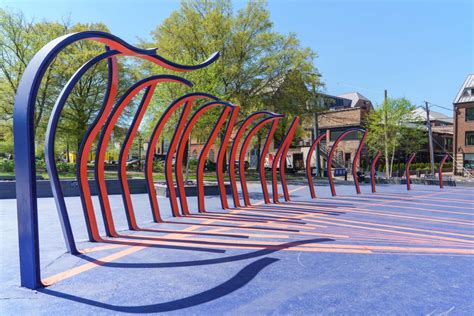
263,154
440,171
148,84
202,158
316,142
221,162
373,164
280,157
243,150
233,152
354,162
407,170
187,100
51,134
102,127
86,144
24,135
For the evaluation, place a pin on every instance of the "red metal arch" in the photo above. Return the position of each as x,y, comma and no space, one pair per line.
187,100
316,142
280,157
266,146
233,152
104,141
122,174
180,155
243,150
373,164
203,156
221,157
440,171
407,170
354,162
91,220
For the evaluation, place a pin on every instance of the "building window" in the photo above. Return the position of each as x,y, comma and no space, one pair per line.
449,143
211,155
468,92
469,114
469,138
351,136
194,154
469,161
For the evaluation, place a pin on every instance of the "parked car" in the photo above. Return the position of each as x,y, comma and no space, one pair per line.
131,162
162,157
237,164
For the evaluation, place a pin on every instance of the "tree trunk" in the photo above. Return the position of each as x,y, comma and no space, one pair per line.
67,151
391,161
385,126
387,164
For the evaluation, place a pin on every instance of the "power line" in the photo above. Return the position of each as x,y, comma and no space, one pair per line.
360,88
439,106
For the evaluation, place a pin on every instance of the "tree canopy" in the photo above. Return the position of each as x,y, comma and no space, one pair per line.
393,127
256,66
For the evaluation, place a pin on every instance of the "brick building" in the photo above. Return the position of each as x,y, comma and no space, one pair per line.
464,128
442,131
345,111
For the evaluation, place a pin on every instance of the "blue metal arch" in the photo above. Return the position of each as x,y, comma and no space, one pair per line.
49,148
24,136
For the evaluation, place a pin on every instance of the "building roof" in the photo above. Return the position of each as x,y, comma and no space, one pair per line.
331,101
447,130
354,96
420,114
357,99
466,93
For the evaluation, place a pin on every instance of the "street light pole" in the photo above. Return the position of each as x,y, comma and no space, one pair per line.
430,137
316,135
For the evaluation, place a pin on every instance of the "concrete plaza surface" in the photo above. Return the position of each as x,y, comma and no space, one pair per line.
394,252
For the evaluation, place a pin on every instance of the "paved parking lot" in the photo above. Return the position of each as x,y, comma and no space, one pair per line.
394,252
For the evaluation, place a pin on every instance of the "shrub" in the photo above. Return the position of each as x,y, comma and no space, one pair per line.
193,162
7,165
210,166
159,166
40,165
66,167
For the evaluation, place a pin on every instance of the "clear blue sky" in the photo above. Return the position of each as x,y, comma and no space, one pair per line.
419,49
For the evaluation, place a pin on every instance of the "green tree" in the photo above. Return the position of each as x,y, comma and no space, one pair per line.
394,128
20,39
254,61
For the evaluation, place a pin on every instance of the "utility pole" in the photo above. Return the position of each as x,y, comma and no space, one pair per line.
315,107
316,135
388,169
430,137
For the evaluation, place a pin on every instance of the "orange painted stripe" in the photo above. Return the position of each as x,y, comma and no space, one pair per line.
100,248
390,226
397,215
392,231
402,249
85,267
